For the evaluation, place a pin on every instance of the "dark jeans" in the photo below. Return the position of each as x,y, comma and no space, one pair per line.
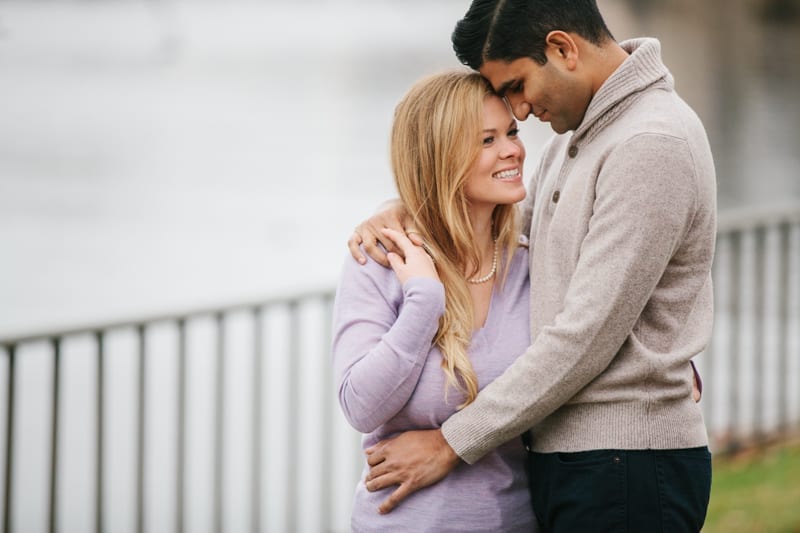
621,490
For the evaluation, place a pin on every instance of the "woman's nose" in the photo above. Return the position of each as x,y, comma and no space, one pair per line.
511,148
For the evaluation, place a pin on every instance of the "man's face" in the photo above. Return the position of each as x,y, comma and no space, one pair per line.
550,92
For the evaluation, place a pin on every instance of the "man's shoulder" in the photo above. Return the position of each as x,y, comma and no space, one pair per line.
660,112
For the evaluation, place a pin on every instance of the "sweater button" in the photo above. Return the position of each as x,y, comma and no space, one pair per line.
556,196
573,151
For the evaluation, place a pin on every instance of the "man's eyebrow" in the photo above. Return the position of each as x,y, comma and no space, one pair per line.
501,92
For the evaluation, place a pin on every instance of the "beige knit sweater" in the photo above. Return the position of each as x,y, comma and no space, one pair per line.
622,216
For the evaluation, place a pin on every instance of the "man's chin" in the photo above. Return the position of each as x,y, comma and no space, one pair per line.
560,128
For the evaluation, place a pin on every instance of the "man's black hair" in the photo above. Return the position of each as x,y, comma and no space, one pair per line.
511,29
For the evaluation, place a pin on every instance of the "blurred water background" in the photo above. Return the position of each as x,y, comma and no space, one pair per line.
169,154
163,153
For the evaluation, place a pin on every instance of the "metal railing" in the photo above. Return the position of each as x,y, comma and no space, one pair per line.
270,360
752,364
285,319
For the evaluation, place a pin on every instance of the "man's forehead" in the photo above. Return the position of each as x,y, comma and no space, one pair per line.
500,74
495,68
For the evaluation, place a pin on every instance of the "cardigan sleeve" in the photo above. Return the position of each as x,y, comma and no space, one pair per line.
645,204
382,334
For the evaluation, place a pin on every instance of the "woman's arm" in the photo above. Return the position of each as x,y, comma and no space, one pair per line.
697,383
382,332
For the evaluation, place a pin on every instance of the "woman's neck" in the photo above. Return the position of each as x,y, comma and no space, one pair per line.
483,229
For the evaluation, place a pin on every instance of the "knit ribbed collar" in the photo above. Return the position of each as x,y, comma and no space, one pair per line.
640,70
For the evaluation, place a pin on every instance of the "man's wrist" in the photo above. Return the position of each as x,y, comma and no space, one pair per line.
448,453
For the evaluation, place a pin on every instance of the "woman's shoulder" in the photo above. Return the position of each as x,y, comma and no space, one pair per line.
371,274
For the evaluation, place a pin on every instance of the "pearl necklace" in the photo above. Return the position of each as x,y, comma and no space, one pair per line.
491,273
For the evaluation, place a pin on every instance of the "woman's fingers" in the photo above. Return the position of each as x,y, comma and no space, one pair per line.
415,261
400,240
415,237
395,261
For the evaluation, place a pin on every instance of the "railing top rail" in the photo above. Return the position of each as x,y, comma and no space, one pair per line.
173,316
749,218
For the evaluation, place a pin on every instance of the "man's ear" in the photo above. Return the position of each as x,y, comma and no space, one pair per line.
561,46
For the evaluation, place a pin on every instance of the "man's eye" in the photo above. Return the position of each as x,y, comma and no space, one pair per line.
517,88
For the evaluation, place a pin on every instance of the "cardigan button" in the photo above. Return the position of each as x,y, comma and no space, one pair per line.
573,151
556,196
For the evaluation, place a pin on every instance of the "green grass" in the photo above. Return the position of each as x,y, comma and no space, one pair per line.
756,492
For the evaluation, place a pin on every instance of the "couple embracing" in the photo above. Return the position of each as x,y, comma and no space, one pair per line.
524,362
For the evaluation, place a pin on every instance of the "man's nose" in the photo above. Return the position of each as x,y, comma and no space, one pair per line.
519,107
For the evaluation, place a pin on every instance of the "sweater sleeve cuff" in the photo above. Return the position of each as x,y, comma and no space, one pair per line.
418,321
427,290
469,436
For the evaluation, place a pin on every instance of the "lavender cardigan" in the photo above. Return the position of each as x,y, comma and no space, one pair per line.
390,380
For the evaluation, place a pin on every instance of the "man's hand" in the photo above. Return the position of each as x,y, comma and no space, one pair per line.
369,233
412,460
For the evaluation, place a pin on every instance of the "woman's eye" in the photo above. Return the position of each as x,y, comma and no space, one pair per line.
513,132
488,140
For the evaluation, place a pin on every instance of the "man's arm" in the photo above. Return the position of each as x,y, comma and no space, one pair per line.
635,229
637,225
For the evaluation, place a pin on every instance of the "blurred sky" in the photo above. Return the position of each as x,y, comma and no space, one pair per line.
160,155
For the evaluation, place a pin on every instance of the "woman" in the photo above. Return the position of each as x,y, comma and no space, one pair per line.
415,343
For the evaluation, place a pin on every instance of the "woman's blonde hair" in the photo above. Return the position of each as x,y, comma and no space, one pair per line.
435,141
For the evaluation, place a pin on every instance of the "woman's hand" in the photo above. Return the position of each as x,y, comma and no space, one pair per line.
415,261
697,383
369,233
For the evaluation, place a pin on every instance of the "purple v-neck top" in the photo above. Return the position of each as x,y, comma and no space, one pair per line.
390,380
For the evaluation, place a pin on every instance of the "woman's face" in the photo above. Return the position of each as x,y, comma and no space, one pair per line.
496,176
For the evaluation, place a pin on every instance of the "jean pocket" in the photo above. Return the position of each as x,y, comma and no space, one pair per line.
684,478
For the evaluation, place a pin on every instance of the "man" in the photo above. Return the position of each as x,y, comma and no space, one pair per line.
621,214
